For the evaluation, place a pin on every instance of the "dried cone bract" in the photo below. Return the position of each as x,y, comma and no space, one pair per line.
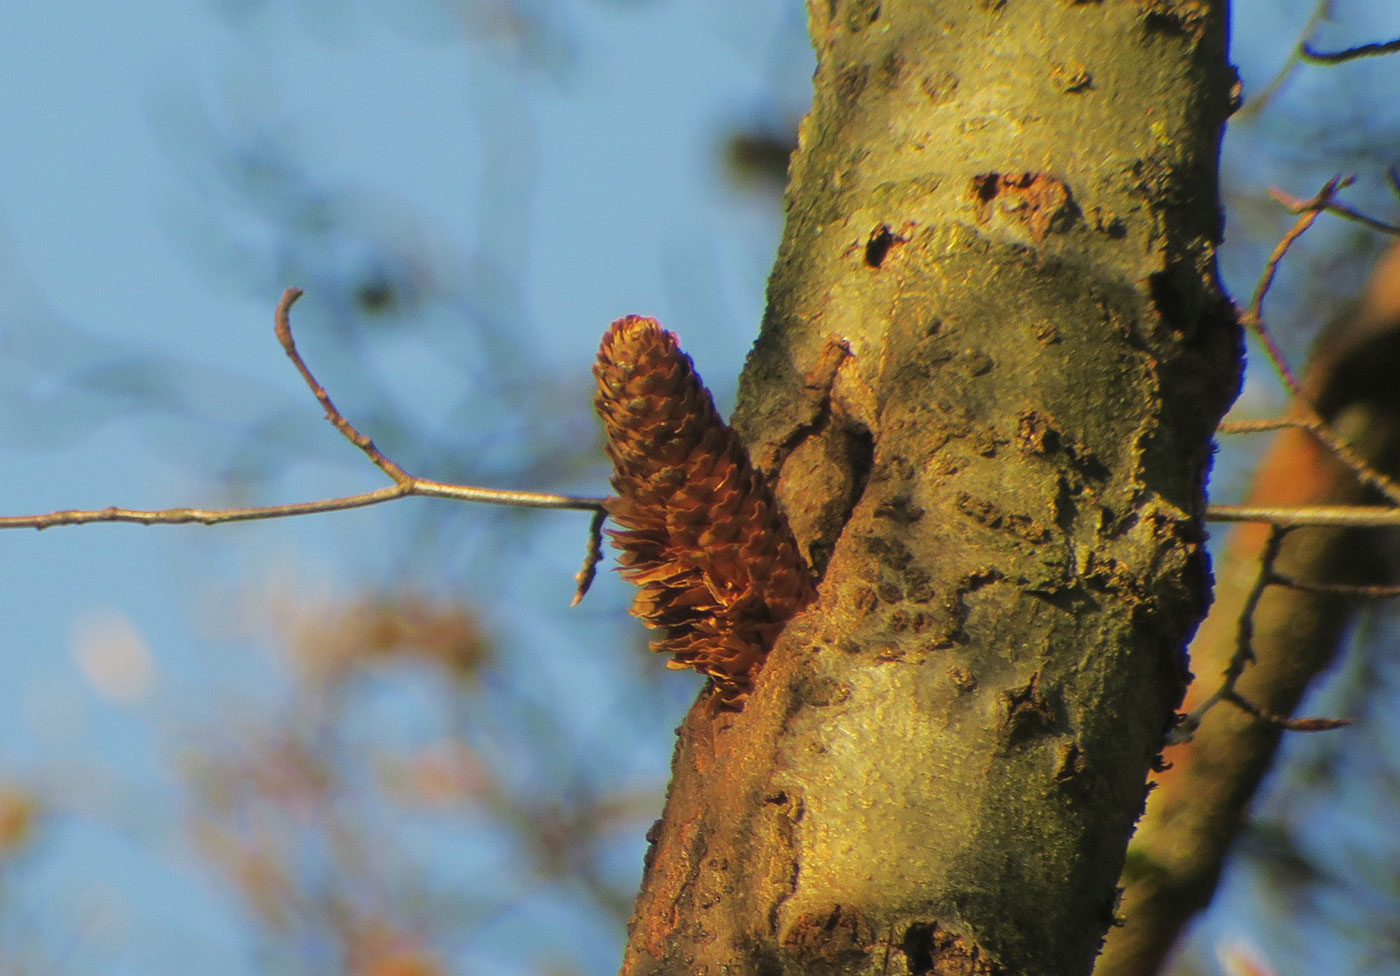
701,532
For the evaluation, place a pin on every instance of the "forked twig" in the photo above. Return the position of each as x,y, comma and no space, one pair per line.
1305,724
1313,423
1309,211
405,485
1334,206
1243,655
1283,519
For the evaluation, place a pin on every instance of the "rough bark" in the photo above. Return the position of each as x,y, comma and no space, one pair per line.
994,353
1202,801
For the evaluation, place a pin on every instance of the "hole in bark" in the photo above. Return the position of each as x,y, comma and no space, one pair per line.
878,246
918,948
928,950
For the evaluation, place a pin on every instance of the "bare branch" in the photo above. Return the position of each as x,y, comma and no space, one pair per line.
1368,591
1342,210
1293,634
216,516
1253,319
1253,316
405,485
1244,635
1244,654
1257,103
1260,426
1311,53
1296,516
1244,639
1363,471
1316,724
204,516
1334,206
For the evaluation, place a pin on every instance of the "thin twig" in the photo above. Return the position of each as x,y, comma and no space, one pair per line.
217,516
362,441
1342,210
1304,724
1368,591
1244,636
204,516
1313,423
1334,206
1284,519
1311,53
1297,516
1253,318
405,485
413,485
1259,426
1243,655
1309,210
1366,474
1187,724
1257,103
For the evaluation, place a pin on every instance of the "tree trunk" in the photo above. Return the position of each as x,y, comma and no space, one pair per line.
994,354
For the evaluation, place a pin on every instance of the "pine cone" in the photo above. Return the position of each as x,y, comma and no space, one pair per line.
701,532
